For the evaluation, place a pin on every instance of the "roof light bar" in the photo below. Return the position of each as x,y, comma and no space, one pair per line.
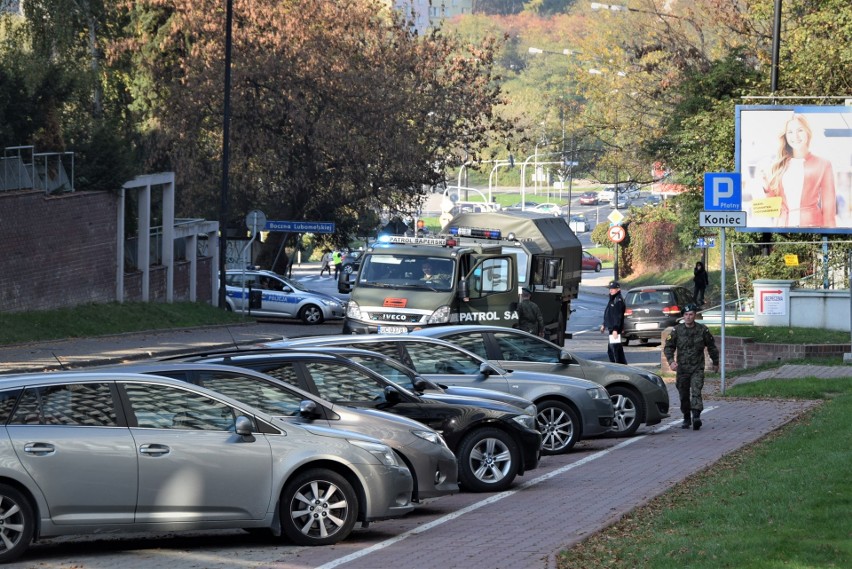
476,232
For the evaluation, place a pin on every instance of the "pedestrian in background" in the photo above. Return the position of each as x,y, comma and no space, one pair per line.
700,280
684,352
336,260
613,322
326,262
529,315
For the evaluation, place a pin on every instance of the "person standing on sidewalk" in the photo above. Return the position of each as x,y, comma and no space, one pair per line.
701,280
529,315
613,323
684,353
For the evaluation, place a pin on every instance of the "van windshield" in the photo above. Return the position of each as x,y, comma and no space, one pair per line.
408,271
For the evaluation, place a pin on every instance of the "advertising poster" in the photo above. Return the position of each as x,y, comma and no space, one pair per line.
796,166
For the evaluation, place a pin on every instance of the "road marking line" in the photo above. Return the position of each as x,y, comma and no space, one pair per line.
495,498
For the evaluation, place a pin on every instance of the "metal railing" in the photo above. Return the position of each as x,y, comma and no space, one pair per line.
21,168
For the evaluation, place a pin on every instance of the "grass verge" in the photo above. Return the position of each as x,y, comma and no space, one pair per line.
782,502
104,319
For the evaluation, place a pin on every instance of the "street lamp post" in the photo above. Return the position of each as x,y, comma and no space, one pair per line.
226,150
621,8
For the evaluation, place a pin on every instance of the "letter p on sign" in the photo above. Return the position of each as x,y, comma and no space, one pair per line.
723,191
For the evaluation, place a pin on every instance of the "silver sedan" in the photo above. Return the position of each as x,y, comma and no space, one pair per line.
89,452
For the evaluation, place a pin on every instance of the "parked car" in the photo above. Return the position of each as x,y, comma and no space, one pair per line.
638,396
567,408
548,208
607,194
278,297
348,271
89,452
588,198
420,448
492,442
527,205
623,201
578,223
591,263
651,309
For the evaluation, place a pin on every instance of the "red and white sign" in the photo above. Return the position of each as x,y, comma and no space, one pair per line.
616,234
772,303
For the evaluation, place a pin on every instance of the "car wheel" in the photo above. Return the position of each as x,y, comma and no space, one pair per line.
488,460
598,268
318,507
628,411
559,427
348,269
311,314
17,523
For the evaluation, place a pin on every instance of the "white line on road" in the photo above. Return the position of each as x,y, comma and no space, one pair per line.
496,498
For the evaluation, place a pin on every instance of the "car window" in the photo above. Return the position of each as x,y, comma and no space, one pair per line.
433,358
472,342
266,396
339,382
285,372
167,407
84,404
515,347
7,404
383,368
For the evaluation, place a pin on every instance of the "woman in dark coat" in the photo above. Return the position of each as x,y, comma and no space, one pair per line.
701,281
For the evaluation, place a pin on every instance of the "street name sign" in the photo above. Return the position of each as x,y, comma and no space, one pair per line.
722,219
300,226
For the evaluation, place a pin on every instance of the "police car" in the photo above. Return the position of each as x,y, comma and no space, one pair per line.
271,295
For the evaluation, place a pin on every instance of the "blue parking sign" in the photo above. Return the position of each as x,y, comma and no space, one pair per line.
723,191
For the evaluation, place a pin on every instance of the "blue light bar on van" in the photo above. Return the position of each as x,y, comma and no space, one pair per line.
476,232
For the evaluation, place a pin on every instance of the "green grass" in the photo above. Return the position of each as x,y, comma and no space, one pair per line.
785,335
782,502
103,319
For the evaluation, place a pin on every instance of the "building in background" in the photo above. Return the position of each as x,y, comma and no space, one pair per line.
429,13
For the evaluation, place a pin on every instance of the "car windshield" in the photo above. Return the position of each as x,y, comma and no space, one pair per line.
649,297
407,271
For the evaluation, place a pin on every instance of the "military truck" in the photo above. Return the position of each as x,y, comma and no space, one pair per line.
471,273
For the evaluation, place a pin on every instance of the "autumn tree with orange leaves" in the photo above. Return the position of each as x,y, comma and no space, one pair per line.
338,108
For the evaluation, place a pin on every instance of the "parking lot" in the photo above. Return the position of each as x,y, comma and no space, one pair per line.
568,498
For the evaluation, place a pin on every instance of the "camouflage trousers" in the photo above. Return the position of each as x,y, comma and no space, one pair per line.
689,385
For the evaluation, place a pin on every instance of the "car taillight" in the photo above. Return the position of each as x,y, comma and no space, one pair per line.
628,311
671,310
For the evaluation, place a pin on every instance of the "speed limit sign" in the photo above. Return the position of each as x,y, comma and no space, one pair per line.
616,234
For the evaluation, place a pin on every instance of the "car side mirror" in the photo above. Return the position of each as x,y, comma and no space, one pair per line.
242,426
419,384
308,409
486,369
565,357
392,395
287,289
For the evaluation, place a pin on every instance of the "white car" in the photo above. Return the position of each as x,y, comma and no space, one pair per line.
272,295
547,208
606,195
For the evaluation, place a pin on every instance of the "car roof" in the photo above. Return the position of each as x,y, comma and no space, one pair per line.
653,287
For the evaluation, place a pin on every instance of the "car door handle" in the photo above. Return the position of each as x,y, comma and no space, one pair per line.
39,449
154,450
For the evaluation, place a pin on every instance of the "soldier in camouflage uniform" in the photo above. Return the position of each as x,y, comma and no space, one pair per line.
688,340
530,318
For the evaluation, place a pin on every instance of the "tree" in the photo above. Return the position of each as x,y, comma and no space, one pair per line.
336,106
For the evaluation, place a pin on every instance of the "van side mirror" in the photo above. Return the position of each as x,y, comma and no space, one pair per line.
464,290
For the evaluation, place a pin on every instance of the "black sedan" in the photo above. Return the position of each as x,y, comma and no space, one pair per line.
493,442
651,309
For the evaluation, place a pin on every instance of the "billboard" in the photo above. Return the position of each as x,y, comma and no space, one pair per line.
796,167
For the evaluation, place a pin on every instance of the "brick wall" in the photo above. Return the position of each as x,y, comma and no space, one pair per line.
60,251
743,353
56,251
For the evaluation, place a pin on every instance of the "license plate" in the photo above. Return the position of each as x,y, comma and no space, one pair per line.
648,326
393,330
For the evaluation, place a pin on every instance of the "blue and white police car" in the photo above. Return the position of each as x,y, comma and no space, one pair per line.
272,295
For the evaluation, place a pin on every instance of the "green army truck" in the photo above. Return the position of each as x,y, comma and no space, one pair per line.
472,273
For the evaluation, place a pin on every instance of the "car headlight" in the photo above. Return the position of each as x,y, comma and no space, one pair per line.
380,451
329,302
597,393
440,316
531,410
430,436
527,421
655,379
353,311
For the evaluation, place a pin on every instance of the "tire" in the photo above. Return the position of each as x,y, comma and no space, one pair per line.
311,314
598,268
348,269
558,425
488,460
18,523
629,411
318,507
